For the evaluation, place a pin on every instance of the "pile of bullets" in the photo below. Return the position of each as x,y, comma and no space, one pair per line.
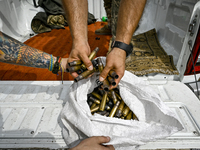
79,67
102,100
109,104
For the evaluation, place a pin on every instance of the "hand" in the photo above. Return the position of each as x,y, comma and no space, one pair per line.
114,61
81,52
94,143
64,63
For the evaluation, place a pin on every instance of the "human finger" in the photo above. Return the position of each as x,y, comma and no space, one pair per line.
101,139
104,73
86,61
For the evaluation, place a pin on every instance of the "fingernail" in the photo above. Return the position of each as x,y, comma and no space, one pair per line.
90,68
108,138
101,79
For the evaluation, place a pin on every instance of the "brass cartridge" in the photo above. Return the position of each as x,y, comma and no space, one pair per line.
94,100
75,63
93,54
105,85
107,108
114,109
102,112
100,65
107,114
122,117
125,111
93,105
135,117
84,75
129,116
103,102
94,109
120,109
111,81
110,104
100,90
96,95
73,69
113,74
119,97
114,98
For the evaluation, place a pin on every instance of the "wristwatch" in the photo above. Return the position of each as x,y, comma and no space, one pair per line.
127,48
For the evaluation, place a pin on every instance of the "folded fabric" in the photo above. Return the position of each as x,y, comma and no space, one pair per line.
53,17
43,23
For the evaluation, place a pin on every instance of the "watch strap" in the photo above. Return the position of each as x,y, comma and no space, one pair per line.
127,48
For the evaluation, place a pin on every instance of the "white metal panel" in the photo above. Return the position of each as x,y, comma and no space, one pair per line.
96,7
30,114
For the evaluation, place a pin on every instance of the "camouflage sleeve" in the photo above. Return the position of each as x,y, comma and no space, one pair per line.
15,52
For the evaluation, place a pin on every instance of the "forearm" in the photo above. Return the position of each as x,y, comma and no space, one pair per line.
77,14
127,23
15,52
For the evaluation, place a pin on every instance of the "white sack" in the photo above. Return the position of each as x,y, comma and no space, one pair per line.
156,120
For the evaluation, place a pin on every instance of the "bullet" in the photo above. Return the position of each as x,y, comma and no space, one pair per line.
95,64
94,100
93,105
100,65
111,80
107,114
135,117
84,75
96,95
119,97
101,91
114,98
73,69
105,85
129,116
110,104
94,109
114,109
125,111
120,109
113,74
107,108
75,63
102,112
103,102
93,54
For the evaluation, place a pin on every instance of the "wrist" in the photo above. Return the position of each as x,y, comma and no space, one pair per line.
118,53
123,46
79,42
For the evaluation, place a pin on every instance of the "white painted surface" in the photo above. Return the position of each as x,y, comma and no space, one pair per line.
29,114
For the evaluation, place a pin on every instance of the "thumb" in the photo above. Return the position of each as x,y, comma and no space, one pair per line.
87,62
104,73
102,139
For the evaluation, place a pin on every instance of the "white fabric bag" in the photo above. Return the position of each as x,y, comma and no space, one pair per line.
156,120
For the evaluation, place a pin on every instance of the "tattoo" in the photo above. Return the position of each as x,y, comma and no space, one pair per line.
15,52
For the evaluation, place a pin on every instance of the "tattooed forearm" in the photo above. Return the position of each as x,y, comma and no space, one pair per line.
15,52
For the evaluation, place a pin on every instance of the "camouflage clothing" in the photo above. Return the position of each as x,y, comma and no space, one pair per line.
112,8
114,16
107,6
